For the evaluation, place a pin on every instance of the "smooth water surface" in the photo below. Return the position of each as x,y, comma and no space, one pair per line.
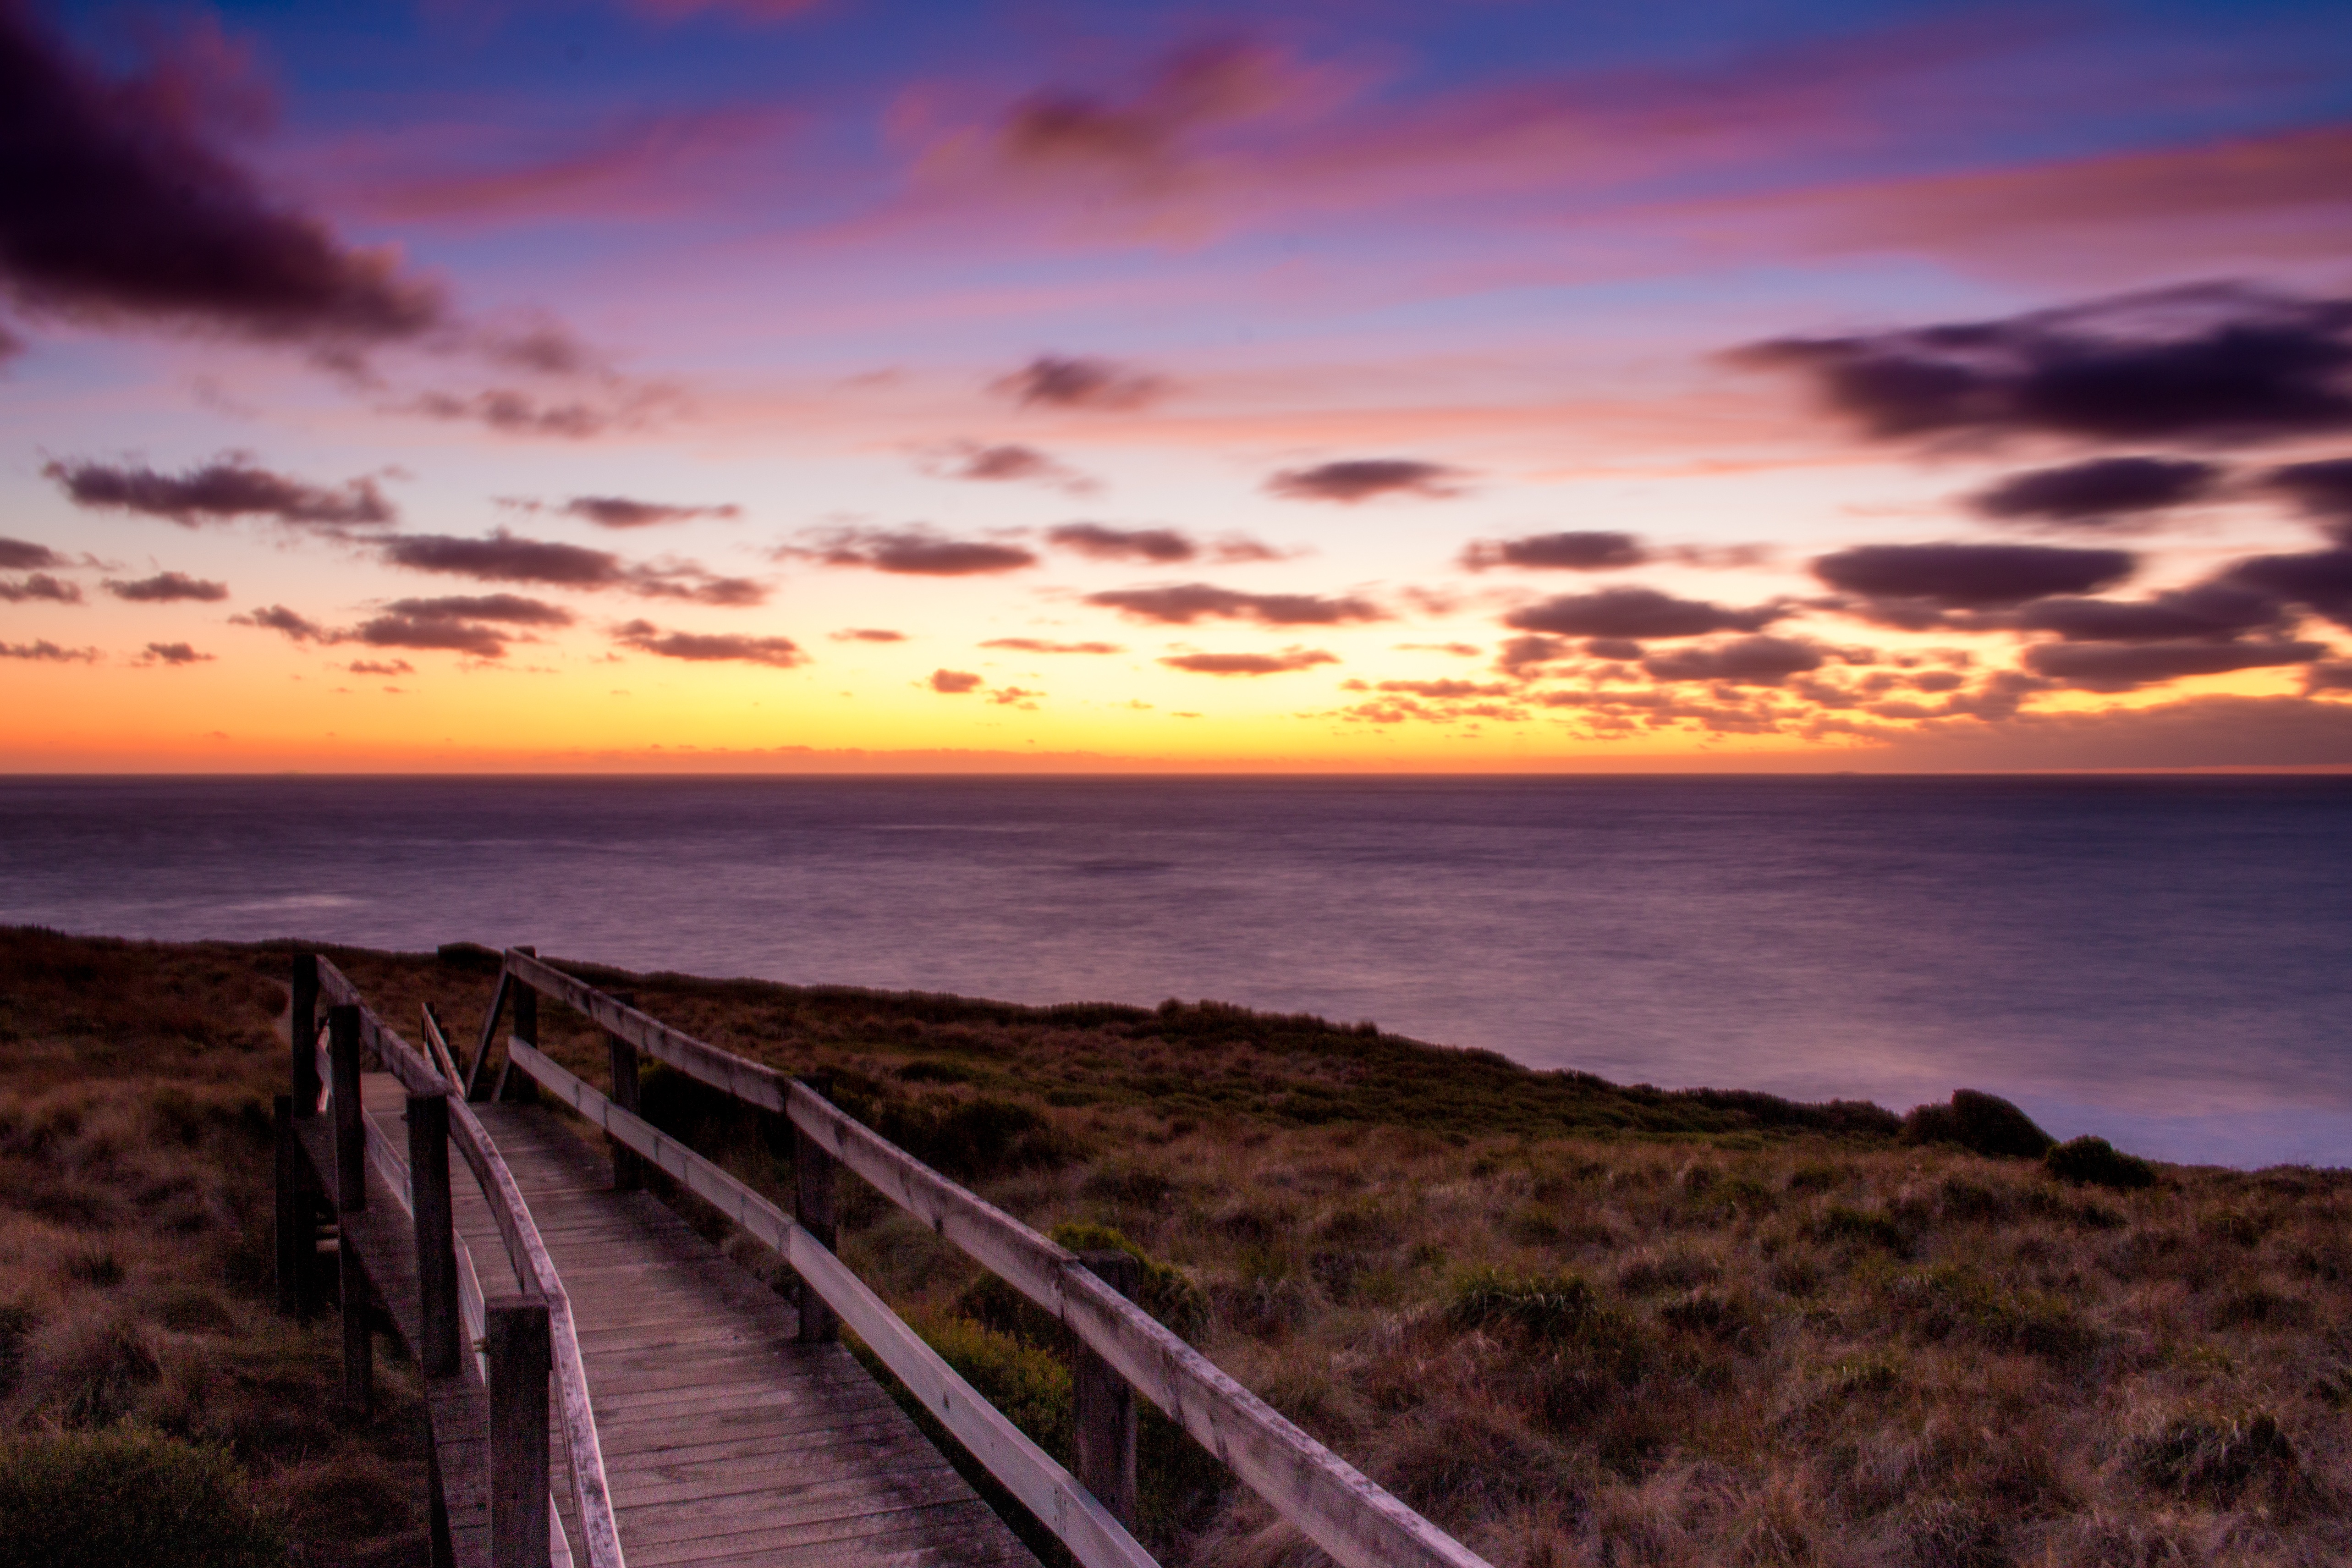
2161,961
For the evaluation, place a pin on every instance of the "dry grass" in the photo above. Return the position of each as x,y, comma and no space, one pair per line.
135,1253
1633,1328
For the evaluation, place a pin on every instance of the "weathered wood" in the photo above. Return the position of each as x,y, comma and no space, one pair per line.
813,1206
1043,1486
437,1236
590,1492
1338,1508
293,1208
350,1135
518,1347
1105,1403
303,1034
511,1085
436,1046
628,1175
475,1090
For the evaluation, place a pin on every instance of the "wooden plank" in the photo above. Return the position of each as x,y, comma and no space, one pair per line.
1334,1504
584,1464
1043,1486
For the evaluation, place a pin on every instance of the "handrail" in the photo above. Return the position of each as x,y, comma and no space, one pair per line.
1334,1505
1074,1514
528,1253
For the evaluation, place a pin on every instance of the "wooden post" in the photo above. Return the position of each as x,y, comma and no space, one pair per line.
351,1132
359,1336
520,1356
304,1033
628,1170
293,1208
519,1087
1105,1404
813,1206
436,1241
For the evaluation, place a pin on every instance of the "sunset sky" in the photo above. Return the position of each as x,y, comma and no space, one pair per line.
753,384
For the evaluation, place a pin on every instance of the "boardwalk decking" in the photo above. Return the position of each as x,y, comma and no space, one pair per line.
726,1443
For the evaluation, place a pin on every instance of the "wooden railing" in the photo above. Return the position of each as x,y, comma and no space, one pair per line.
1334,1505
496,1328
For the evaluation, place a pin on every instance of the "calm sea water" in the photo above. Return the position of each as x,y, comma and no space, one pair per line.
2160,961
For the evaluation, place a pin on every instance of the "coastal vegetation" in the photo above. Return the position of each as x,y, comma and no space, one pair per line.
1572,1322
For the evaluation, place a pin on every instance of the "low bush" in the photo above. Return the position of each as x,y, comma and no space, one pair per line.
109,1499
1981,1123
2218,1456
2095,1162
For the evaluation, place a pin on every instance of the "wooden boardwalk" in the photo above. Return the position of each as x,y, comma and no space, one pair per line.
725,1442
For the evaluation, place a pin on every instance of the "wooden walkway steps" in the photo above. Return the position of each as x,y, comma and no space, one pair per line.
725,1442
385,1241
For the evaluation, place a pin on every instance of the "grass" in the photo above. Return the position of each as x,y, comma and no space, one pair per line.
1571,1323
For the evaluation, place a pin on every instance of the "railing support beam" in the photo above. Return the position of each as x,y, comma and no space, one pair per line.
1105,1404
516,1086
628,1170
814,1204
303,1034
436,1237
293,1208
520,1355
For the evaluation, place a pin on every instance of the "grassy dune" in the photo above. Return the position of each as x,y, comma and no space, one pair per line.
1569,1322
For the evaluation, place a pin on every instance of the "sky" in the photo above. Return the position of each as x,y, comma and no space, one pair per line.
824,384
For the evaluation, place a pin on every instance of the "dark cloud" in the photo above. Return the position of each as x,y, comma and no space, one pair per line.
511,609
172,653
1034,645
777,653
381,666
1004,462
868,633
23,556
1519,655
166,588
2101,490
1360,479
1450,690
2330,677
229,486
2215,362
278,619
2125,667
2192,732
504,558
11,345
617,511
1250,663
2320,581
451,633
1057,380
40,585
546,348
1014,695
112,207
917,551
1181,604
2323,489
1637,614
1104,543
1617,650
1139,138
954,682
2211,611
46,652
1744,661
1970,577
1595,551
513,412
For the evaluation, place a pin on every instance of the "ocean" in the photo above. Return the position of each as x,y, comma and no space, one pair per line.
2166,962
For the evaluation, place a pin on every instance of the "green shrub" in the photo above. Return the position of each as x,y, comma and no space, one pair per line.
1030,1385
2094,1162
1165,1292
2217,1456
1871,1227
1982,1123
106,1500
1952,1301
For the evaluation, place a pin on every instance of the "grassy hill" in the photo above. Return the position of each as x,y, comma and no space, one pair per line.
1572,1321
